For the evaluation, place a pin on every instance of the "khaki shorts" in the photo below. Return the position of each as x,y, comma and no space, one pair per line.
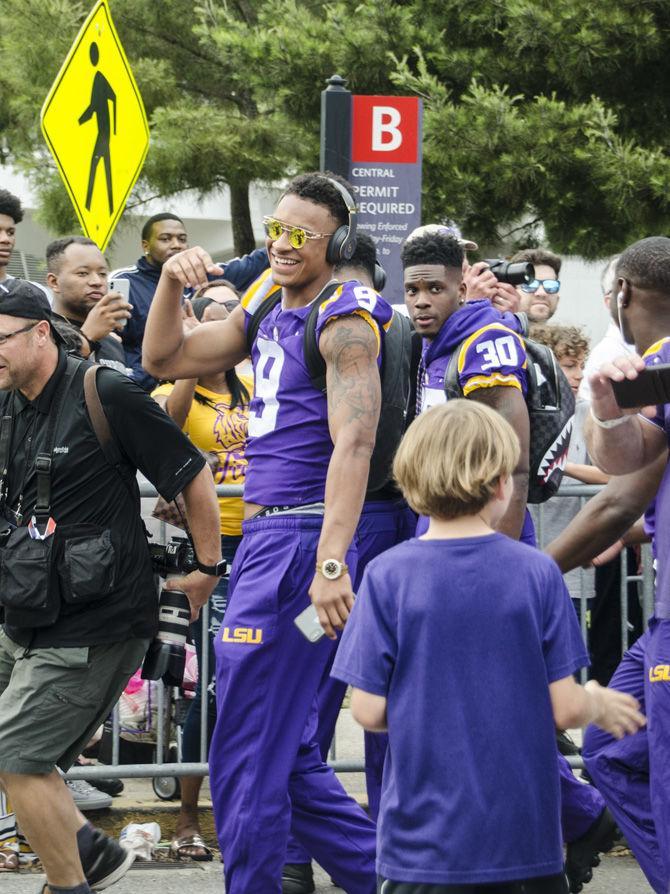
53,700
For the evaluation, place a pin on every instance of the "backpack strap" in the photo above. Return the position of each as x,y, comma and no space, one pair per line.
43,460
452,387
523,322
259,315
100,425
316,365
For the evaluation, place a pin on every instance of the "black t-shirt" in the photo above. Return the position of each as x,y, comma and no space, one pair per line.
86,489
110,353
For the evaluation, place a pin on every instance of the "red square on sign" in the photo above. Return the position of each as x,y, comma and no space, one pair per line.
385,128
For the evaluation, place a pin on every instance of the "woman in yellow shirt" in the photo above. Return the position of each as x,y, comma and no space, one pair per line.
213,411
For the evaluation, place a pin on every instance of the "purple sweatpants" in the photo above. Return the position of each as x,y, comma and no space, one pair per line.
634,773
383,524
267,772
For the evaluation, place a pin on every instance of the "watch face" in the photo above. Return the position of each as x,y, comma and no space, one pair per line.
331,569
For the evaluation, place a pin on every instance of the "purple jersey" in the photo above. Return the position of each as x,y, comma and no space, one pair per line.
491,353
660,353
289,445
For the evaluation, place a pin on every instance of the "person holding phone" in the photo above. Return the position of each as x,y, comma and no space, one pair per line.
78,277
635,779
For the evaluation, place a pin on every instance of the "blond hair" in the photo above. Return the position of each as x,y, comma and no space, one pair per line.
452,457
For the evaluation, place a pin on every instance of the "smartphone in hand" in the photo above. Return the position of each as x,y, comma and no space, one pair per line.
308,624
652,386
122,286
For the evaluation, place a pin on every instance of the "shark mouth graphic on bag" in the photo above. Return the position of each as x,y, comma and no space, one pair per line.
557,455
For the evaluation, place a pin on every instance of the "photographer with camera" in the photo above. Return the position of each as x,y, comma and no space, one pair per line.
76,577
539,296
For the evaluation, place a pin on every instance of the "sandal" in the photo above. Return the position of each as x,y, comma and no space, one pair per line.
181,844
9,860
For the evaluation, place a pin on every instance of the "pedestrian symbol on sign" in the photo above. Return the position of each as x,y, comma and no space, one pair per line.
94,123
101,96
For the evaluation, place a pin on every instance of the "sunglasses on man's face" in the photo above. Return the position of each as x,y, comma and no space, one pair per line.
297,236
550,286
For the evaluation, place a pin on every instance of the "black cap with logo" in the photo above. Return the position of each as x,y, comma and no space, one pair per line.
23,299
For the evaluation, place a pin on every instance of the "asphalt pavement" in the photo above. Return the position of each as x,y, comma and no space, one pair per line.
618,873
615,875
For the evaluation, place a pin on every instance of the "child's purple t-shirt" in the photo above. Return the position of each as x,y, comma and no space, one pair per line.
462,637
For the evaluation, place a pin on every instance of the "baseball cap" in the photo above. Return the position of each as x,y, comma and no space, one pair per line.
23,299
448,229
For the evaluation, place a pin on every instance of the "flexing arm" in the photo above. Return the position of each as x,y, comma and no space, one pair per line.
349,347
510,404
168,352
632,444
607,516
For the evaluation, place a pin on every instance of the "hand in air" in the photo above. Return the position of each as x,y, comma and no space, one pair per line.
191,268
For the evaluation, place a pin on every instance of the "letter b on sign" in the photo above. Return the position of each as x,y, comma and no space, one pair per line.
385,128
386,133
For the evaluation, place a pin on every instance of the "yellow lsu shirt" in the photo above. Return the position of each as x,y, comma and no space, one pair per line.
214,427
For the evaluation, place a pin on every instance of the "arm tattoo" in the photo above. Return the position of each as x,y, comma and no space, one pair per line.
353,388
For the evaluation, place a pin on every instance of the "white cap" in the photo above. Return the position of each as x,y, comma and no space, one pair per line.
448,229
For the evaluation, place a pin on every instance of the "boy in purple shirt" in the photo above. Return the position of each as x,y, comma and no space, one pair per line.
455,638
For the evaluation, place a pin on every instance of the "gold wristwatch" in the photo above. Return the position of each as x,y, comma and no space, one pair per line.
332,569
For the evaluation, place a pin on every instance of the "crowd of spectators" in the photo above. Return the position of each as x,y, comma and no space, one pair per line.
182,336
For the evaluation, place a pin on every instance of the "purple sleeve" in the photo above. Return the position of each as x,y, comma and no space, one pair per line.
651,358
493,356
353,298
562,643
366,654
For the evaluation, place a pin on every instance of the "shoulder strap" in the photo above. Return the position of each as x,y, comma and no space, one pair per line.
259,315
316,365
523,321
44,460
100,425
452,387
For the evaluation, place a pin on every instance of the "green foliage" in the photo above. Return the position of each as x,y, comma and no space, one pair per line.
538,113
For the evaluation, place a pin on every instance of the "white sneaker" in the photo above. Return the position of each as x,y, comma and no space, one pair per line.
86,797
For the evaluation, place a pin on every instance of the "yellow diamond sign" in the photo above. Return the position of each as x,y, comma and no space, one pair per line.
95,125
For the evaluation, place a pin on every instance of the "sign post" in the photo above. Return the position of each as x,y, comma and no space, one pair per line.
95,126
375,142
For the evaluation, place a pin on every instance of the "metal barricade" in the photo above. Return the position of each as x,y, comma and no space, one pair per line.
160,768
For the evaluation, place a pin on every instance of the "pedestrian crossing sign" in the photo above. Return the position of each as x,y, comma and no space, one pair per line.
95,126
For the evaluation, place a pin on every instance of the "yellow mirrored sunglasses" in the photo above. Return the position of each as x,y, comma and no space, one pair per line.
297,236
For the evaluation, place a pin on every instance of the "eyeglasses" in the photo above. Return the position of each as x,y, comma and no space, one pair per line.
4,338
297,236
550,286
